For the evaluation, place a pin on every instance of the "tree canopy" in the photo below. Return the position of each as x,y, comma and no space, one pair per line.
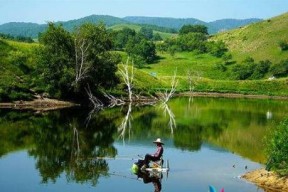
71,61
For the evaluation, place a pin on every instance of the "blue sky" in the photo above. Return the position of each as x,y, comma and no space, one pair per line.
41,11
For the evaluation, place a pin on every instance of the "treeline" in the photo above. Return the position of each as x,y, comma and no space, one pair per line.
16,38
193,38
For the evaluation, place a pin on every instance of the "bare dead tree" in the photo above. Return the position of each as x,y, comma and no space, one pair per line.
97,104
172,121
113,101
82,66
164,97
126,123
128,76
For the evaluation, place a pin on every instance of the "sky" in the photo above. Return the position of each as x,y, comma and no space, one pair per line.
42,11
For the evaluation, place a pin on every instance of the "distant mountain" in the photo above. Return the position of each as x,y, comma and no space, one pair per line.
227,24
22,29
33,29
164,21
213,27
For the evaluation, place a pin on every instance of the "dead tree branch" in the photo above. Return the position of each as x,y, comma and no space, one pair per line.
164,97
82,66
128,76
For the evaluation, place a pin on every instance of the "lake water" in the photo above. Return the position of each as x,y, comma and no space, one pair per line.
208,141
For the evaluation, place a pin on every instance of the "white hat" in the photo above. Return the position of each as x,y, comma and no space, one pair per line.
158,140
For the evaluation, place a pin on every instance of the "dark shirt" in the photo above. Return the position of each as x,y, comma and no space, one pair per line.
159,151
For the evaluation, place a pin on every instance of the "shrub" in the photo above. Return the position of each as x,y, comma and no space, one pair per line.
277,149
283,45
280,69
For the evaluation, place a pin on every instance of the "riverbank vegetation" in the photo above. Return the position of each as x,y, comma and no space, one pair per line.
64,63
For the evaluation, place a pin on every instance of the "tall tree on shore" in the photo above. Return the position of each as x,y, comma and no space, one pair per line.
56,60
71,61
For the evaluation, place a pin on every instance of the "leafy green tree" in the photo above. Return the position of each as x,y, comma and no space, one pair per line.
283,45
144,49
193,42
244,70
277,149
121,37
146,32
102,63
261,69
185,29
157,37
280,69
56,60
71,61
216,48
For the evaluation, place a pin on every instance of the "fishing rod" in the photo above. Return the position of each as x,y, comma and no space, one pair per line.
115,158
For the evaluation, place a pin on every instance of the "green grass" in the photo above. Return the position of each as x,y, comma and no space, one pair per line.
14,82
199,65
259,40
206,78
137,29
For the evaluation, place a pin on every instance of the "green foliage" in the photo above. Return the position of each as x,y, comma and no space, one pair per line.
283,45
248,69
17,38
146,32
121,37
56,60
280,69
217,49
60,66
277,149
192,42
185,29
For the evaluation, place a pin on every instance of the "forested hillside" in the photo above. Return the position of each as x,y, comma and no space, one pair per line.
167,25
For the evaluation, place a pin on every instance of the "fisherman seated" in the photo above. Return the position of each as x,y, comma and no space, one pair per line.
156,156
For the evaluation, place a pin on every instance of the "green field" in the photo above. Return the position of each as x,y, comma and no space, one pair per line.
206,78
259,40
137,29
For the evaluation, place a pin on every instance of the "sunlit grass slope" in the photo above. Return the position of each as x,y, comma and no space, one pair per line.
259,40
14,81
200,73
138,27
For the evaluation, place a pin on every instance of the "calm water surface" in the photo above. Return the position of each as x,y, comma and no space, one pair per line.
208,141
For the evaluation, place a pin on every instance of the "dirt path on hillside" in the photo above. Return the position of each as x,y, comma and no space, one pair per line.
267,180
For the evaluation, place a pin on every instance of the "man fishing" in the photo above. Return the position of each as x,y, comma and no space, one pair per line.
156,156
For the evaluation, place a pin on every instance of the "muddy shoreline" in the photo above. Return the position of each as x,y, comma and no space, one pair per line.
43,104
267,180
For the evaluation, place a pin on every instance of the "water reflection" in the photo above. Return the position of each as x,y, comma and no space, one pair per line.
63,142
154,178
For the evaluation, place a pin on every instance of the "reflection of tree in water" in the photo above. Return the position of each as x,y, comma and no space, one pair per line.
57,149
191,136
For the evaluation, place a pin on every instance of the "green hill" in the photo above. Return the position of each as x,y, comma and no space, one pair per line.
162,24
177,23
16,63
259,40
137,28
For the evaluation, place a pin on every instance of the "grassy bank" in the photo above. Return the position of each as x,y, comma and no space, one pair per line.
200,72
